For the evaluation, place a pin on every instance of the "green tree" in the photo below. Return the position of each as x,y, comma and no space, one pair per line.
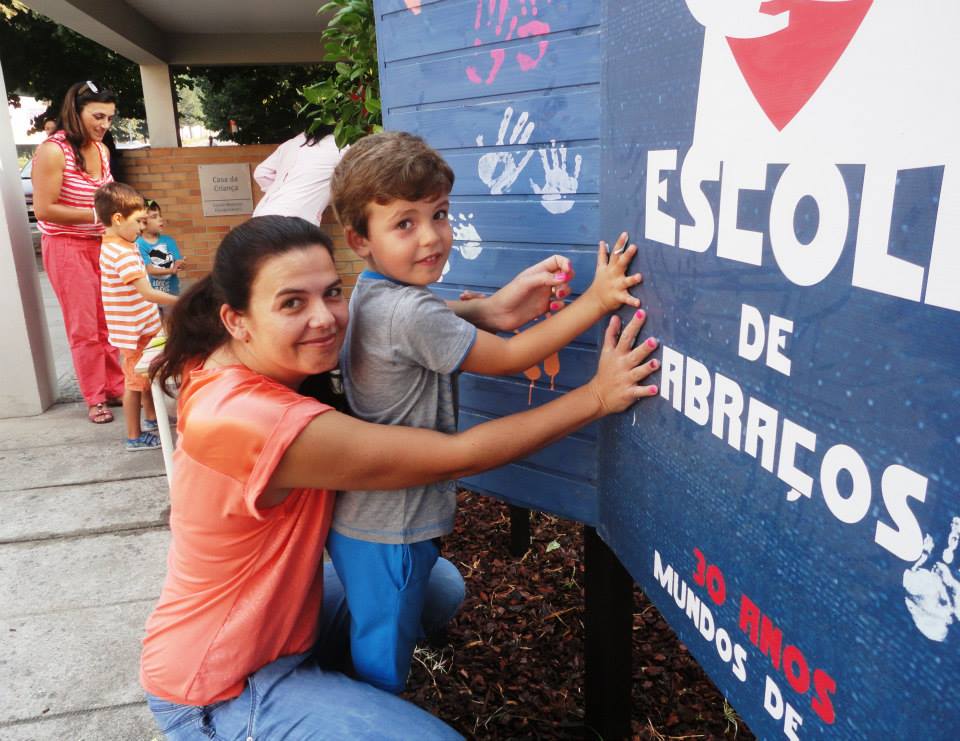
262,101
349,99
42,59
189,105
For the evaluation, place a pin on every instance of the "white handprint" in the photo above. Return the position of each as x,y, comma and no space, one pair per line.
466,234
558,181
933,593
467,241
489,163
738,19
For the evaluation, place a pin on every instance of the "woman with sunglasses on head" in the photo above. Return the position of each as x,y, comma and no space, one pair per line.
67,170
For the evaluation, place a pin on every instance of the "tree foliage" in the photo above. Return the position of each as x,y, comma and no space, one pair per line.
42,59
263,101
189,104
348,99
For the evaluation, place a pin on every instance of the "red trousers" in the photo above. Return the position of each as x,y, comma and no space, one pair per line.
73,266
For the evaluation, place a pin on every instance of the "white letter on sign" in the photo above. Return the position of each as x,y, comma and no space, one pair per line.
695,172
808,264
659,227
733,243
751,319
873,267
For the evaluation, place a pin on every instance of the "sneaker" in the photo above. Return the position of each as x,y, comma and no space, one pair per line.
150,425
146,441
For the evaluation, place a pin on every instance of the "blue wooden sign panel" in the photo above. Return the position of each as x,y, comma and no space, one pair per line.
503,397
442,29
509,93
558,115
509,258
470,182
574,61
791,499
514,219
574,457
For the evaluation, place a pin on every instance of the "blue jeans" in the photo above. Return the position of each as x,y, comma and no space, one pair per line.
302,697
386,585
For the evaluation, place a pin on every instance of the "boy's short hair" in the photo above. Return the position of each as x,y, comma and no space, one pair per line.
152,205
382,168
116,198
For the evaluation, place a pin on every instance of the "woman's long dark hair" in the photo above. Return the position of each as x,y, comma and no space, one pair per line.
78,96
315,133
195,329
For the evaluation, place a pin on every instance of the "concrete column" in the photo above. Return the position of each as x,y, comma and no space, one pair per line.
158,99
28,382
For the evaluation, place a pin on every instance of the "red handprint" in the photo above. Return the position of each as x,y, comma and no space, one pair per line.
496,18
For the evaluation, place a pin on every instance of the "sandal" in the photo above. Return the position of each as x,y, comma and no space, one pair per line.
99,414
146,441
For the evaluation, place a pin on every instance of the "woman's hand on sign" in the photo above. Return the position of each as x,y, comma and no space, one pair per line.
622,368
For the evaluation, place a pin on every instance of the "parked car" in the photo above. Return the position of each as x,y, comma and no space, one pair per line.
27,184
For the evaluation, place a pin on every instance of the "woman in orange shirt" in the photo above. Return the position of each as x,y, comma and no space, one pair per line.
247,640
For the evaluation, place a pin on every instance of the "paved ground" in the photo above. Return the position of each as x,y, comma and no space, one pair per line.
83,541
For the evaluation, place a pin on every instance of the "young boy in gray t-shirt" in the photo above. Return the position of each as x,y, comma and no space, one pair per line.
391,195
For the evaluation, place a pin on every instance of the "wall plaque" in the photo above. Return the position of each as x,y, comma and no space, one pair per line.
225,189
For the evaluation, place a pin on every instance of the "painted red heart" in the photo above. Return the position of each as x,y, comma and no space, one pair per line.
785,68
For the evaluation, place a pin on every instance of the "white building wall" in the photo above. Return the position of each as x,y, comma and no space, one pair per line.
27,377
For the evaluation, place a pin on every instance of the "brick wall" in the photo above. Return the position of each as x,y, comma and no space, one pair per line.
170,176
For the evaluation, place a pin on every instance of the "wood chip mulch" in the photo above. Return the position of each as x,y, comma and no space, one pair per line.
512,664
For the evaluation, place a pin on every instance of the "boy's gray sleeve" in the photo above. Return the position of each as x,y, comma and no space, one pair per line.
426,332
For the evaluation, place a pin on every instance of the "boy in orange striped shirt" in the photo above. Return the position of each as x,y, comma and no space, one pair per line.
129,304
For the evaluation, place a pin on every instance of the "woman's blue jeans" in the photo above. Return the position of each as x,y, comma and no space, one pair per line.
304,697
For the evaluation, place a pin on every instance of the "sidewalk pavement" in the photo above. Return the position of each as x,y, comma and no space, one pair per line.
83,539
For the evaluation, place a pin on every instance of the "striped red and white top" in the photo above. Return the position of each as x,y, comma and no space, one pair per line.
77,189
129,315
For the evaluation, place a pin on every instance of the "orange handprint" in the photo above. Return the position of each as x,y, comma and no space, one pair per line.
532,374
496,17
551,366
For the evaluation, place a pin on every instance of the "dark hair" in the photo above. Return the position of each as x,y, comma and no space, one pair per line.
315,133
195,329
382,168
116,198
152,205
78,96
